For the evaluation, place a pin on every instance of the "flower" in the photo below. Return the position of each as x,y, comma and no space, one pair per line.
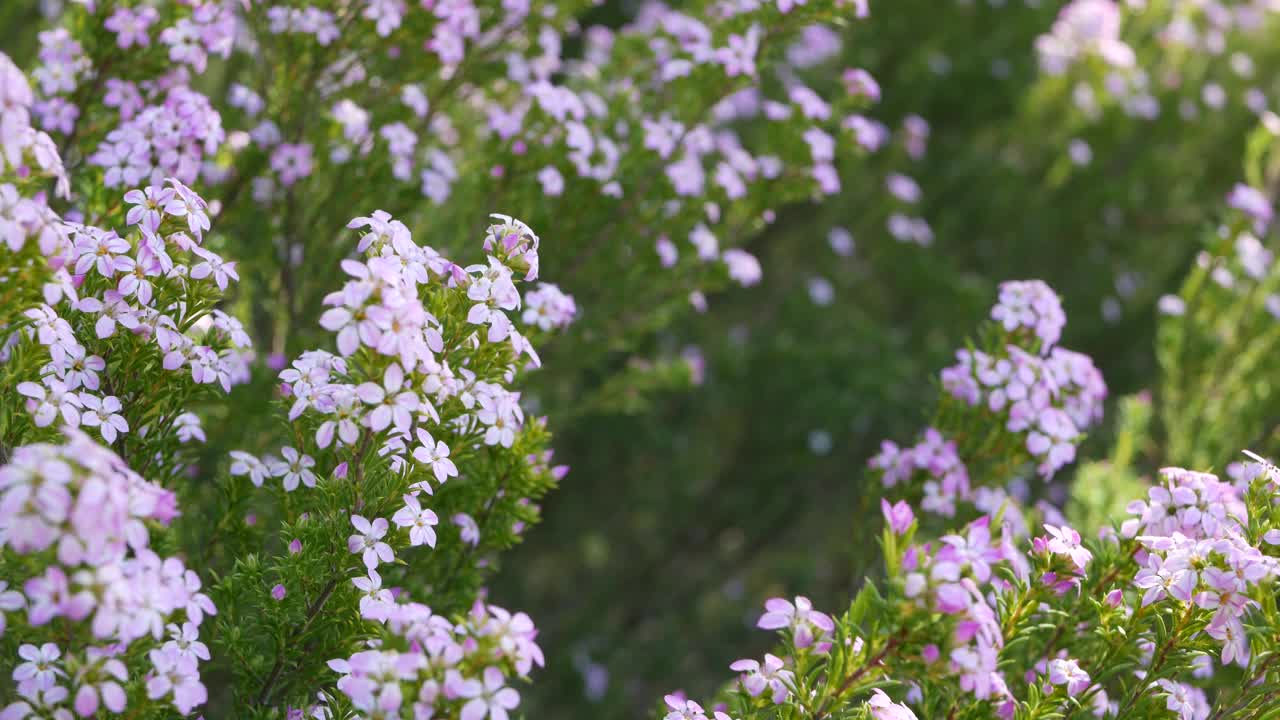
49,401
769,675
176,674
245,464
369,541
434,454
1067,672
104,414
468,528
491,698
41,669
420,521
897,516
294,468
1066,541
800,618
884,708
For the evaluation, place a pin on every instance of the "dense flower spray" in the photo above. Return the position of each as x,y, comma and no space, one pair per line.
1014,614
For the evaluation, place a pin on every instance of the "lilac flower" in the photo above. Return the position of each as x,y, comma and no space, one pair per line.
860,83
739,56
1235,641
884,708
150,205
683,709
804,622
177,675
51,400
104,414
767,676
106,690
898,517
41,669
10,601
470,531
744,268
130,26
375,598
1160,581
1067,672
294,468
488,699
420,521
291,162
369,541
551,180
246,464
1066,541
434,454
1252,202
1033,305
395,401
211,264
100,250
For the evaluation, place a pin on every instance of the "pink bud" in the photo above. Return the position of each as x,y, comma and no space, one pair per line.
930,653
340,472
277,592
897,516
295,546
1115,598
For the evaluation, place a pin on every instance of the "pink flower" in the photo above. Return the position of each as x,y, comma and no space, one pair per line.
1066,541
491,698
294,468
897,516
769,675
212,264
130,27
177,675
434,454
884,708
1067,672
420,521
470,531
104,414
41,669
245,464
369,542
800,618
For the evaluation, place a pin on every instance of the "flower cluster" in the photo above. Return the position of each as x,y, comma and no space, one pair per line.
1084,28
1048,398
446,667
88,308
948,478
1034,397
1192,570
147,294
412,420
119,610
157,140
